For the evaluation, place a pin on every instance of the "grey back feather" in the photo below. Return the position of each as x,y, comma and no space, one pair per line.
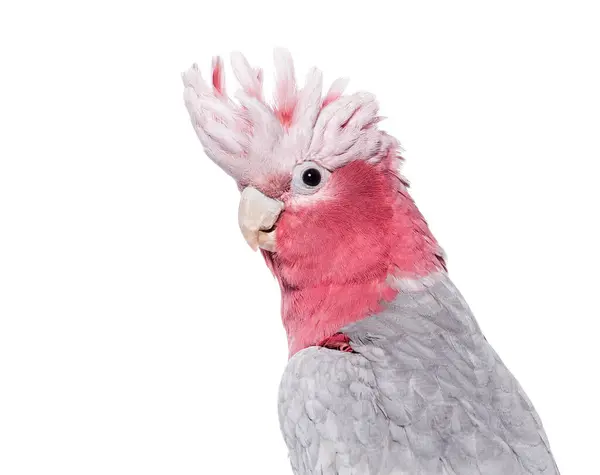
424,394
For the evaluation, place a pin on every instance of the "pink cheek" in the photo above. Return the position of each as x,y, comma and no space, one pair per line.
348,234
289,234
330,246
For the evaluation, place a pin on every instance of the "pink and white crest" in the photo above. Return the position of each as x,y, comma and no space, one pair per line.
253,140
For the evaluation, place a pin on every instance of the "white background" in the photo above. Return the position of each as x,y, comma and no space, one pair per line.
140,335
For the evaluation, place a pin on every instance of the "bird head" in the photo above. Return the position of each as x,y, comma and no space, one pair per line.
321,192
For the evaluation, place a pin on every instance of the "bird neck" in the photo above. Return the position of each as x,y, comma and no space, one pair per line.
314,310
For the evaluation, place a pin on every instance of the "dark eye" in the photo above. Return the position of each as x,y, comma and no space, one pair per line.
308,178
311,177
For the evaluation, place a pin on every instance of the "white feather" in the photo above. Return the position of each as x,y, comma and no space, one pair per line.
285,79
248,139
337,88
248,77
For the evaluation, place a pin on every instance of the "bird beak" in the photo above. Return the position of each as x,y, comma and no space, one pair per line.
257,216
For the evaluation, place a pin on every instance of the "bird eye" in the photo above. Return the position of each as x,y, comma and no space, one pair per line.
308,178
311,177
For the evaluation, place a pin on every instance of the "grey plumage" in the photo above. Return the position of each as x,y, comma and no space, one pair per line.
424,394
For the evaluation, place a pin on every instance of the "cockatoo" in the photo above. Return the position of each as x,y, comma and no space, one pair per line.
388,371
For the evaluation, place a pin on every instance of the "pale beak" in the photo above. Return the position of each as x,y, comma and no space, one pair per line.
257,216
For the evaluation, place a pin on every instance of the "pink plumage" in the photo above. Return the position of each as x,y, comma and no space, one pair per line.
335,259
338,249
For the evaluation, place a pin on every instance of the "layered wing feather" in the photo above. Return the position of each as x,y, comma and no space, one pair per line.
424,394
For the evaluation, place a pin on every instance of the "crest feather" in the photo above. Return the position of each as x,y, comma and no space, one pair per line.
252,140
285,86
249,78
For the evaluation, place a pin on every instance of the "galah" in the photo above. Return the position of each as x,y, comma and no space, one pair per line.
388,371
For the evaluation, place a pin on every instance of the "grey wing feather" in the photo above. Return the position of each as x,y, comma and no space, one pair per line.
424,394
